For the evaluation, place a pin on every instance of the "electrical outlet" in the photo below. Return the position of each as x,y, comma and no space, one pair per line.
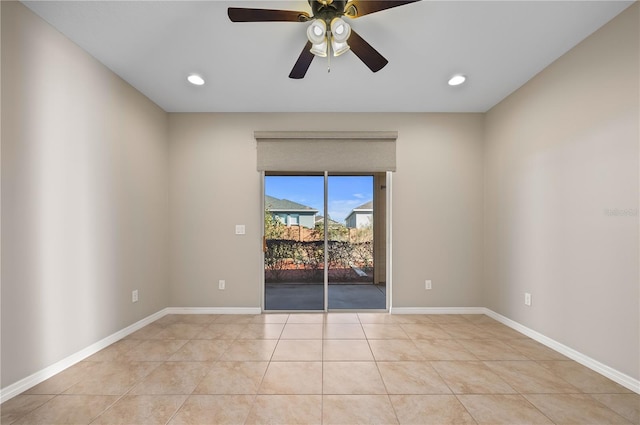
427,284
221,284
240,229
134,296
527,299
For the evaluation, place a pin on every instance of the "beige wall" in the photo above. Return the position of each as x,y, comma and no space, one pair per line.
84,198
560,153
437,204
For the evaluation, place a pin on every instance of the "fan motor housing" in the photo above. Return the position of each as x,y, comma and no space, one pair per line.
327,9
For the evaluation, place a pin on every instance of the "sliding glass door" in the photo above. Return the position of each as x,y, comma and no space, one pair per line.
294,243
351,243
321,240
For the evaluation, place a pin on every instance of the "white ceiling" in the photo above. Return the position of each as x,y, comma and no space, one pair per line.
499,45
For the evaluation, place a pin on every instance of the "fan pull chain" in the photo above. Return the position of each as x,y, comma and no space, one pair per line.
328,56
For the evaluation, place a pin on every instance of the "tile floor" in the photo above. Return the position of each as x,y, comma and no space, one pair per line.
336,368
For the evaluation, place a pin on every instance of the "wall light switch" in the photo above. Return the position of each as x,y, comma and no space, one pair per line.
221,284
240,229
427,284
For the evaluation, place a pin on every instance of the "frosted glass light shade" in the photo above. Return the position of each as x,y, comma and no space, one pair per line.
338,47
317,31
340,30
319,49
317,35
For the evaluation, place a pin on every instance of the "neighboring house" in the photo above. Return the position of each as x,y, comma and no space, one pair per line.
290,213
332,223
361,216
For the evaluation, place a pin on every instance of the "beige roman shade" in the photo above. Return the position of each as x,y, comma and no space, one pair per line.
347,151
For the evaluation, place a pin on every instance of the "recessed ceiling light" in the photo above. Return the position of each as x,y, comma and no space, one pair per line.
195,79
457,79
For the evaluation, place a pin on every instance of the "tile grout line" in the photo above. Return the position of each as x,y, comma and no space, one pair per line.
452,391
375,361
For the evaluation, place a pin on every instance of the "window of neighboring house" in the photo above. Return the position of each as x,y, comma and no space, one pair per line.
293,220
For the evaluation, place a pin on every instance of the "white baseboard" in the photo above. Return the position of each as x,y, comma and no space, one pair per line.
213,310
46,373
437,310
609,372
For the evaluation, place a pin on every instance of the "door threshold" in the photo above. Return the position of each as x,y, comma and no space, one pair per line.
342,310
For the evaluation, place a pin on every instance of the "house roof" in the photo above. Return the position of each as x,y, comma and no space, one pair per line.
320,219
367,207
282,205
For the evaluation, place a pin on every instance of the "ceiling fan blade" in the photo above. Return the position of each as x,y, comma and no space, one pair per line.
302,64
241,14
365,7
367,54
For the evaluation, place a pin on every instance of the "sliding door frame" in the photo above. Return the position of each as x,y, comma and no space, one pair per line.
388,247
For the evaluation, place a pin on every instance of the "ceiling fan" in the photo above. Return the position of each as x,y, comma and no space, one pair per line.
328,30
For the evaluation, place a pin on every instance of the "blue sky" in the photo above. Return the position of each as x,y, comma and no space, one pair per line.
345,192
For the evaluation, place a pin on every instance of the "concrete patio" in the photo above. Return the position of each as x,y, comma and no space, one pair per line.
309,296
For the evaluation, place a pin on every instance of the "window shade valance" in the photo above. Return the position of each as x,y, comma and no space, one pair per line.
350,151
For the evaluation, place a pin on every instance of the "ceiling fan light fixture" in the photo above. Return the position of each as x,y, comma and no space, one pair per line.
317,35
325,13
317,31
195,79
340,30
457,79
319,49
339,47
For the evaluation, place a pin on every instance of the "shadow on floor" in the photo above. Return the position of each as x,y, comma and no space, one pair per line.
308,296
